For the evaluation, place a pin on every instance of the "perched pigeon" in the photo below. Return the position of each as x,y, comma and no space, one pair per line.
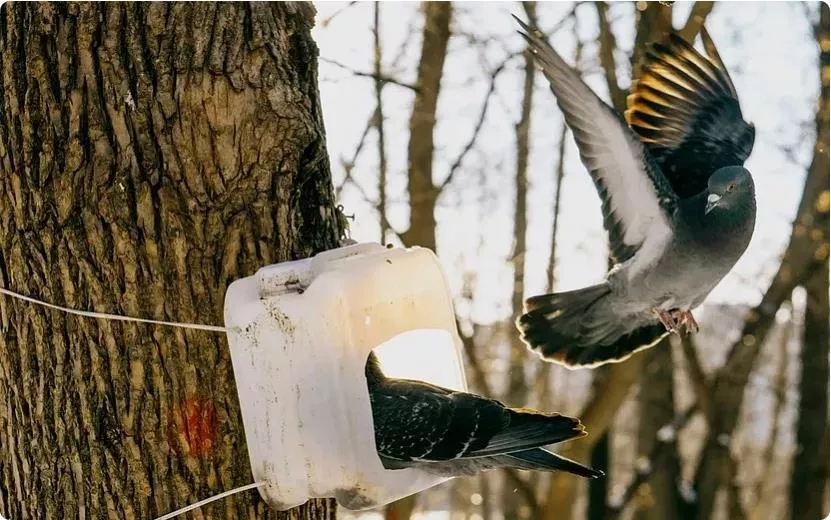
449,433
678,206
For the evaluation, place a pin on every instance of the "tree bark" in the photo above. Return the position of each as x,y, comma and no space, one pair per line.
150,155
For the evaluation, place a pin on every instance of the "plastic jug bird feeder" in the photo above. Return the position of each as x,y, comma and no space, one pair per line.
299,335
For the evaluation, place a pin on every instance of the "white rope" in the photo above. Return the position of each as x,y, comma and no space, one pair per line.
116,317
211,499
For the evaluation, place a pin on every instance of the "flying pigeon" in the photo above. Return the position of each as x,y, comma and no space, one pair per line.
678,205
450,433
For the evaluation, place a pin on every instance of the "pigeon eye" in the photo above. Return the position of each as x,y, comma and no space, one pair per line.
731,187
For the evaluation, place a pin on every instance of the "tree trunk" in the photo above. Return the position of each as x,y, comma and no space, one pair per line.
599,487
809,478
810,468
806,254
150,155
516,393
657,408
423,193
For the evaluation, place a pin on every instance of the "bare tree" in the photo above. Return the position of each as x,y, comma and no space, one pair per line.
150,155
657,408
377,60
423,193
809,479
805,255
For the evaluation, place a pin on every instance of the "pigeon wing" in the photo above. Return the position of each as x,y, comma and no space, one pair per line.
637,200
685,109
414,423
409,425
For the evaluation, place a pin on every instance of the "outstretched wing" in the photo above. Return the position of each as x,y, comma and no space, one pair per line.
685,109
637,200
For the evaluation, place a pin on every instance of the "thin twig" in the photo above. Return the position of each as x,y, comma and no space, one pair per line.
379,121
329,19
372,75
479,124
349,165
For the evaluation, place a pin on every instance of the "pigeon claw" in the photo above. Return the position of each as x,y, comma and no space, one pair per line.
688,321
676,319
667,319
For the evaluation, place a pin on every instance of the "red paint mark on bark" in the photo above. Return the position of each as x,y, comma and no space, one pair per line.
197,426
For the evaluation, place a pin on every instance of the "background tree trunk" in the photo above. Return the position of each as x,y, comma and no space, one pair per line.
423,193
659,495
420,188
809,478
805,255
150,155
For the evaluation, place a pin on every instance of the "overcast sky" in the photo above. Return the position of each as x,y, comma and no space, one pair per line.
768,48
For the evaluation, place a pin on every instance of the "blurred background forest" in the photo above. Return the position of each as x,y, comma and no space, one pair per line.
442,134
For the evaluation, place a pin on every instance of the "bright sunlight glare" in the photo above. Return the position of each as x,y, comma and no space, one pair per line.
427,355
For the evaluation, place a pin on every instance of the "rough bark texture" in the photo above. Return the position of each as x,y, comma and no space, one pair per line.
150,155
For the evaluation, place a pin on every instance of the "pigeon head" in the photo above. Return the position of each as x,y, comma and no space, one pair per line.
729,189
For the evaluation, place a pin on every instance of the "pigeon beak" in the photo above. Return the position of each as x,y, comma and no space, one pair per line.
712,202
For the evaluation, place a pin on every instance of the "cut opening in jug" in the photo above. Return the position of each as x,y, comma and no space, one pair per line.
427,355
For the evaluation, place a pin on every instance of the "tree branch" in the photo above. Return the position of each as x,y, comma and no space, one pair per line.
607,58
698,15
379,121
373,75
700,383
457,163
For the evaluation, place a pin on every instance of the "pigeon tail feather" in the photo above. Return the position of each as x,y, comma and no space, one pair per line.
568,328
530,429
540,459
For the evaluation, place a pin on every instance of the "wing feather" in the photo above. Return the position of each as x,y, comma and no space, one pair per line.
637,200
685,109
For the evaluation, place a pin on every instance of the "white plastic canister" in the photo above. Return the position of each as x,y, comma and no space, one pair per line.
300,333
